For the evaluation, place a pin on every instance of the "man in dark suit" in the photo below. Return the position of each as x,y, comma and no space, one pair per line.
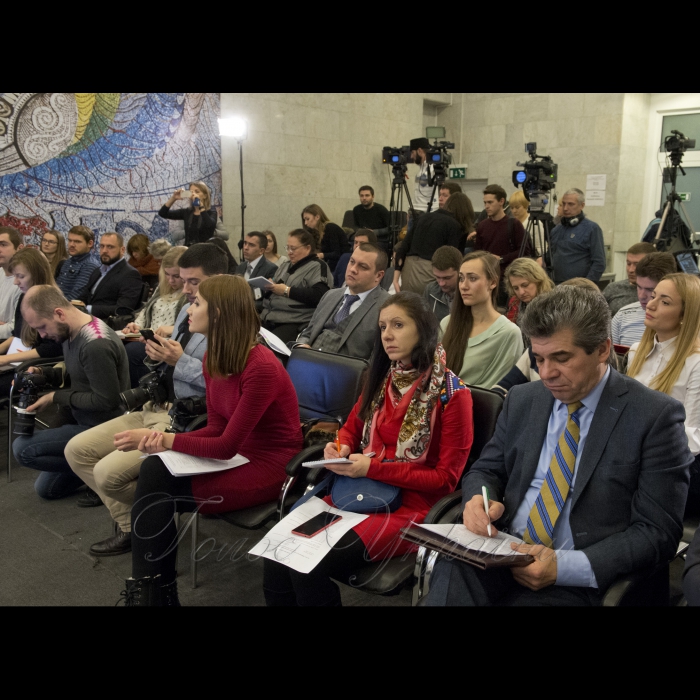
115,287
345,320
589,467
255,264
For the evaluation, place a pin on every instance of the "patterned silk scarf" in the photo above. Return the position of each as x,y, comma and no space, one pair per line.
419,419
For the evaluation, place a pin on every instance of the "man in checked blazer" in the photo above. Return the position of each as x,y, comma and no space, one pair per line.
623,513
345,320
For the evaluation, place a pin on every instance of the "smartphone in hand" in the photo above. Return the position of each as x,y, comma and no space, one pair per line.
148,334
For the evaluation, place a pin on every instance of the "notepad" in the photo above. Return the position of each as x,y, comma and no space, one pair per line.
261,282
323,462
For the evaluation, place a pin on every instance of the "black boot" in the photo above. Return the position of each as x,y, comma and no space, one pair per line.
168,595
142,592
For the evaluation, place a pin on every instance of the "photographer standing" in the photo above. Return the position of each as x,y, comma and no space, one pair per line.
425,193
96,371
106,457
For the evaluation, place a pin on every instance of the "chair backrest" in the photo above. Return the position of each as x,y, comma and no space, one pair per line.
348,220
487,407
327,384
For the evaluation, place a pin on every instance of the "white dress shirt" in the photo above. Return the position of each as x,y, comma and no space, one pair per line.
687,386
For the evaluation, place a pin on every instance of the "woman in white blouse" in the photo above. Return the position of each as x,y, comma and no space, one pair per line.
668,356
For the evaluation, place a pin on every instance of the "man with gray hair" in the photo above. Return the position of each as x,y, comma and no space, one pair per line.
587,467
577,248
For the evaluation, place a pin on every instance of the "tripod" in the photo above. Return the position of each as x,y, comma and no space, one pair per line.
398,190
537,234
676,157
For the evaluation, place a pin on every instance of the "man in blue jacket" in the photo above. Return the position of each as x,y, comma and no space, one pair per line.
74,273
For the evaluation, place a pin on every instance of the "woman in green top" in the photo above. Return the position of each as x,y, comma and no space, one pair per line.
481,345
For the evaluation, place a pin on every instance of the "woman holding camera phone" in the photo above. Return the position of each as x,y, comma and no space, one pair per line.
252,410
199,217
415,415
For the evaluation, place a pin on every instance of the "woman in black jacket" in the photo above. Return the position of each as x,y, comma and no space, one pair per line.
199,217
330,238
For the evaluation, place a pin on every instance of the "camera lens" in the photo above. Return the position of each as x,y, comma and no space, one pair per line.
134,398
23,423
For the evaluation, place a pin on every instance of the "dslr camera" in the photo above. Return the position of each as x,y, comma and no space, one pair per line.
152,387
184,411
29,385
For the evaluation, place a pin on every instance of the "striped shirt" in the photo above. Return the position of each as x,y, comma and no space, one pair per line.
628,324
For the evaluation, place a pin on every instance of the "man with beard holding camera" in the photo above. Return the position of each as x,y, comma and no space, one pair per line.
96,371
106,457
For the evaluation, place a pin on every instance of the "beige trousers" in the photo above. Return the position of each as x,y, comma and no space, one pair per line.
416,275
107,471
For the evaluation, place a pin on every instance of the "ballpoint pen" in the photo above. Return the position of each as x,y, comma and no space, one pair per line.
485,494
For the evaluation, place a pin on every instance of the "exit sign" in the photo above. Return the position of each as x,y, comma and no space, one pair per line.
685,196
458,172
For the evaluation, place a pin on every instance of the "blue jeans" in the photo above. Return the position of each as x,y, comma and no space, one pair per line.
43,451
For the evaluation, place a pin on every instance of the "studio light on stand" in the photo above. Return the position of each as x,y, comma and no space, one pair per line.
237,128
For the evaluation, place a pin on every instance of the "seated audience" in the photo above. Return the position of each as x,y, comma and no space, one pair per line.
331,240
296,288
159,248
420,444
447,189
53,246
481,344
106,456
96,372
627,325
440,293
624,292
668,357
446,226
261,424
371,215
198,216
115,287
159,313
362,235
255,264
29,268
10,242
271,250
519,207
140,257
73,275
345,320
588,467
525,279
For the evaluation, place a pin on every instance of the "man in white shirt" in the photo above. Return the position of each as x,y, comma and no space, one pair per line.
10,243
255,264
425,193
627,326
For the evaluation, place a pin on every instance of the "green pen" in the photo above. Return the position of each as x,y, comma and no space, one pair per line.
485,494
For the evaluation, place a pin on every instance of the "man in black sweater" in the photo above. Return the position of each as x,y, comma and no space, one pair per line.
96,372
369,214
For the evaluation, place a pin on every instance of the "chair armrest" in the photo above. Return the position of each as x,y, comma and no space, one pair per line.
197,423
308,454
640,588
444,507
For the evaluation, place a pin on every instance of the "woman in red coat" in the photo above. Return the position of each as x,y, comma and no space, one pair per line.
252,410
416,416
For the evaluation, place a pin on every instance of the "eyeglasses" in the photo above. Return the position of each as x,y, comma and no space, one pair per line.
292,248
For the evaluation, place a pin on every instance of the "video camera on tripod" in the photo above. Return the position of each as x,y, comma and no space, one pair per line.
439,159
398,159
538,177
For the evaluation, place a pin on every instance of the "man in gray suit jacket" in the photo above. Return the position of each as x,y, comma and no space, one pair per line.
345,320
255,264
627,457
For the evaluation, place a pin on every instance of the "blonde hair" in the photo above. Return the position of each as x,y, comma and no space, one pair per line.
206,194
581,282
170,259
519,198
688,288
531,271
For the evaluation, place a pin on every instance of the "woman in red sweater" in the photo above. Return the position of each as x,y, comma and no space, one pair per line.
416,416
252,410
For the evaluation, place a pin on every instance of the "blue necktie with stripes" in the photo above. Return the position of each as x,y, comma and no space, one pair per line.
552,496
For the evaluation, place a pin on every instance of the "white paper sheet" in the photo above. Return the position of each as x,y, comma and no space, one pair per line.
274,342
596,182
500,544
260,282
180,464
323,462
304,553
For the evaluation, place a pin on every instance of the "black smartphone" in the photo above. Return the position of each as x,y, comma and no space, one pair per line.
317,524
148,334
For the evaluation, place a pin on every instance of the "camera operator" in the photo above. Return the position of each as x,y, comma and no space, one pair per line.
98,370
106,457
424,190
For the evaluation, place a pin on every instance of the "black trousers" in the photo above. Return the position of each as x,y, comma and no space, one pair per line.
285,587
456,583
159,496
286,332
